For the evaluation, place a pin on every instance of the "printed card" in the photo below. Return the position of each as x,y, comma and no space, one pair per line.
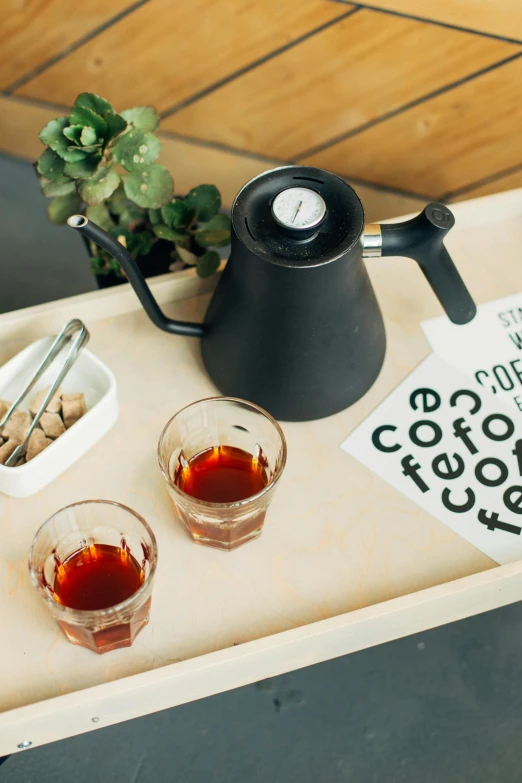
454,449
489,349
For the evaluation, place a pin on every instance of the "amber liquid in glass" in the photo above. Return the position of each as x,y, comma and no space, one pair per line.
222,474
98,577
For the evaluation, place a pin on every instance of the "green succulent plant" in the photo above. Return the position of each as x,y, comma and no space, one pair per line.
104,164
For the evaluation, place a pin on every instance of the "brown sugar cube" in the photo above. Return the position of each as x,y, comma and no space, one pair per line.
4,407
17,427
36,444
53,406
52,425
73,409
6,450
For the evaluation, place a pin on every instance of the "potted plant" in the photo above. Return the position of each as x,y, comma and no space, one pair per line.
104,164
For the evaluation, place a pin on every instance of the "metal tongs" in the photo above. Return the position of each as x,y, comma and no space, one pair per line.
64,338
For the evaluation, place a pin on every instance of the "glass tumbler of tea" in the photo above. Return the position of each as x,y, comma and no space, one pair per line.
93,563
222,458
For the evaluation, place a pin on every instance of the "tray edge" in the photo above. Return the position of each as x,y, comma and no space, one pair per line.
195,678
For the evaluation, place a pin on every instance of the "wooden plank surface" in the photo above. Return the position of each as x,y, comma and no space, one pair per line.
190,163
338,540
365,66
501,17
164,52
496,185
454,139
330,83
194,164
33,31
20,123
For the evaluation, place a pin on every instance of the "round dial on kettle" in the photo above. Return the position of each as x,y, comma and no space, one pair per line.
299,211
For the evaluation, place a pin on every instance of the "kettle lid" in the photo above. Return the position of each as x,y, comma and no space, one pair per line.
298,216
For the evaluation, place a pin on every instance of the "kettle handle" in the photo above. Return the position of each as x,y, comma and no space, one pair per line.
422,238
135,278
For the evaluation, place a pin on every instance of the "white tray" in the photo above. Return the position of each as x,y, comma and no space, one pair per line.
344,562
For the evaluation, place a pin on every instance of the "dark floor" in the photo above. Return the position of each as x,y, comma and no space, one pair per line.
39,262
441,707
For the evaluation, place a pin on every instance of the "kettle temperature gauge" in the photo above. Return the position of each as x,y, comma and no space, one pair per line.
299,211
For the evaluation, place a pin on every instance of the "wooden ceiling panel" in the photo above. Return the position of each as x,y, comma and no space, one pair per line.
32,31
347,75
453,140
497,185
500,17
166,51
189,163
20,123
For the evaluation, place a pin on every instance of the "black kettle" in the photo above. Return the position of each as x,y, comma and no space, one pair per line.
294,324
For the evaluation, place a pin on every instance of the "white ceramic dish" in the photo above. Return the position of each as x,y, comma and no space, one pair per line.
88,375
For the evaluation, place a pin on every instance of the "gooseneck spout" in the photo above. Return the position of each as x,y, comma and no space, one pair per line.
135,278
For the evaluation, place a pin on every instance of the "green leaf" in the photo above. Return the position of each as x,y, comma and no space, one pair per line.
51,166
190,217
132,215
88,136
101,216
215,232
208,264
92,148
59,188
115,126
136,149
83,169
71,154
164,232
206,199
98,266
155,216
150,187
88,100
98,187
138,243
101,107
144,118
128,212
118,232
104,264
73,133
85,117
177,214
52,136
142,242
119,201
62,207
170,212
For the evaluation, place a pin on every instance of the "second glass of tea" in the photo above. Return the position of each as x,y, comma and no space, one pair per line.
222,458
93,563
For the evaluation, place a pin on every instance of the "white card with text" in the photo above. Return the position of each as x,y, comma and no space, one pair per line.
489,348
454,449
